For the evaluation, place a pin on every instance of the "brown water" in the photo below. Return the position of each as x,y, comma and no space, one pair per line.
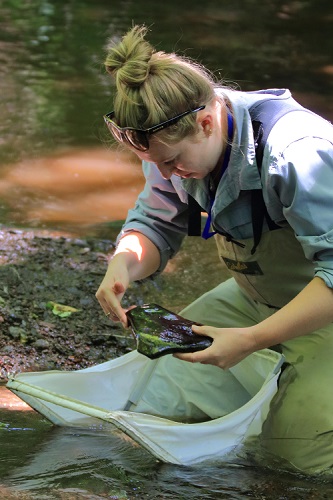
58,170
74,190
57,167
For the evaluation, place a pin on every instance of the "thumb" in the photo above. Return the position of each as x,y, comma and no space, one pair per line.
201,330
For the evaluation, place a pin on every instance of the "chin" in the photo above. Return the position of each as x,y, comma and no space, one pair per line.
193,175
198,175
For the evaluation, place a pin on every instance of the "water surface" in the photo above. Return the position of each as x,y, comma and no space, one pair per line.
57,166
48,462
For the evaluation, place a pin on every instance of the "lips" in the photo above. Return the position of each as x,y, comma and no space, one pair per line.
185,176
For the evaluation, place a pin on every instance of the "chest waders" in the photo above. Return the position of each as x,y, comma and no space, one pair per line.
270,267
270,270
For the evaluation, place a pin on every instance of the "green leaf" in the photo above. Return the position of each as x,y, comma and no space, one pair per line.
61,310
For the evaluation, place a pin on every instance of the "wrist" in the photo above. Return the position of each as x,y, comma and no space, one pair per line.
255,341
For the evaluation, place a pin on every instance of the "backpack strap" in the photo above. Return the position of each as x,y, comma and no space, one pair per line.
264,116
267,113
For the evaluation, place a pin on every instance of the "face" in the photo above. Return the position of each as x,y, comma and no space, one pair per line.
192,158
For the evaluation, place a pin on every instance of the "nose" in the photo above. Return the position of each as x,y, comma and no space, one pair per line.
165,171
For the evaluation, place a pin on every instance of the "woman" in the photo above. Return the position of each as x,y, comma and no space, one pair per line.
195,137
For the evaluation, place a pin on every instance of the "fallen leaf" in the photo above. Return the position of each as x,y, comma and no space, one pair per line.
61,310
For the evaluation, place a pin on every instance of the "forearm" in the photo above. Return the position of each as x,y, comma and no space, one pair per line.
140,256
136,257
310,310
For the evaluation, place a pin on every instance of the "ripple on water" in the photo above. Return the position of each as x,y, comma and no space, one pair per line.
50,462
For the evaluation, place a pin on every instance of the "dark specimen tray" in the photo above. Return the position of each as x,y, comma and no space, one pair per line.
158,332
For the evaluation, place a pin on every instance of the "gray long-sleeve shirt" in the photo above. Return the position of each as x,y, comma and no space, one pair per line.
296,179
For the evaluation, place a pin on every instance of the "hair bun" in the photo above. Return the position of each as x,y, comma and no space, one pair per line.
129,61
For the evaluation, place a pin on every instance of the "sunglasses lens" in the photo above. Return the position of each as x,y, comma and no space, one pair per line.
117,134
137,139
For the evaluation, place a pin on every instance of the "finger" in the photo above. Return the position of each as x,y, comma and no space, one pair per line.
110,314
114,312
118,314
108,307
130,308
197,328
190,357
203,330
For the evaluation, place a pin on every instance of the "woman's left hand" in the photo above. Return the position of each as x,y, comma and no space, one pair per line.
229,347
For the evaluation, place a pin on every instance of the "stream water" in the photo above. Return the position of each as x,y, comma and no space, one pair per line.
61,463
57,170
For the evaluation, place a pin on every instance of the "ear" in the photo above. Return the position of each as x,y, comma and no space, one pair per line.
206,124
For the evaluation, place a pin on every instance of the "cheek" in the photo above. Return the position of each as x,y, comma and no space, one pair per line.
197,161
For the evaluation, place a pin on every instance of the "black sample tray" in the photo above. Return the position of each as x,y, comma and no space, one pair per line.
159,331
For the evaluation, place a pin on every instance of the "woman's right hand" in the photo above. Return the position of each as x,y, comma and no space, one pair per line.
136,257
112,289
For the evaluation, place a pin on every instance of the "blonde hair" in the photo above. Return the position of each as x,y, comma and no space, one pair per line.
152,86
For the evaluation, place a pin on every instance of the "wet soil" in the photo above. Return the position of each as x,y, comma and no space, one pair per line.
38,267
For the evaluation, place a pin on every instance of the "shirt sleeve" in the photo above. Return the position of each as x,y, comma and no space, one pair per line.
303,181
160,213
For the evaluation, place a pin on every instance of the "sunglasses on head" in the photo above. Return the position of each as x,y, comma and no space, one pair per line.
138,138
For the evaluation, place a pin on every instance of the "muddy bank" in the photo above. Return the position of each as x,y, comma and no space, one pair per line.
38,267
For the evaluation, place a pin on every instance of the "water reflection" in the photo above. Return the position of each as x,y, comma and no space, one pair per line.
8,401
80,187
53,463
54,90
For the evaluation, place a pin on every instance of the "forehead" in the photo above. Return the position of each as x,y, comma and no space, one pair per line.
159,152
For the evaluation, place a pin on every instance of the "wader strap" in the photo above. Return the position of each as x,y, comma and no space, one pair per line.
259,213
258,207
264,116
267,113
194,217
